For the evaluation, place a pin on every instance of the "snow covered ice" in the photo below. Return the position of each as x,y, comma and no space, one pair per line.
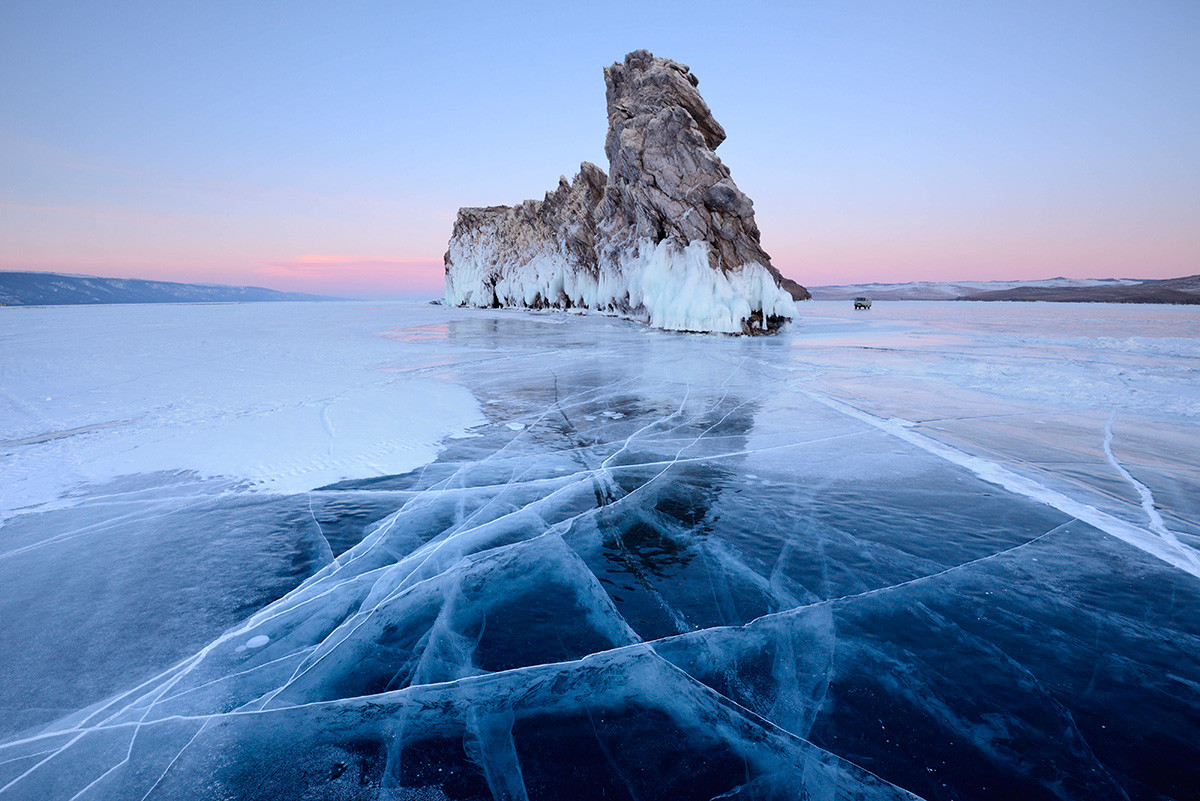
940,550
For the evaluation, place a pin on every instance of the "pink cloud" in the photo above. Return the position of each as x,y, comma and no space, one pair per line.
376,276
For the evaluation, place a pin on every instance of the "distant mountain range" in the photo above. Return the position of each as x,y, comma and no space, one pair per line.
1077,290
56,289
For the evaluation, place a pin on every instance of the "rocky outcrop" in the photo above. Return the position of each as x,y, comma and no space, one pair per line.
537,254
666,238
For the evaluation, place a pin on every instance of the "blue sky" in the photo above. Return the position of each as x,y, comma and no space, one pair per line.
327,146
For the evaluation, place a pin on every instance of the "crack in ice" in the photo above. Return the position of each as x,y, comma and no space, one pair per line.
1173,553
1147,499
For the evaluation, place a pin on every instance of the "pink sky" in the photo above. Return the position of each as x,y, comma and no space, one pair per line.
885,255
327,150
882,256
357,276
341,276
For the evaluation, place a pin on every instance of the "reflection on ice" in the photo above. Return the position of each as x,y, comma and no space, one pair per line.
665,567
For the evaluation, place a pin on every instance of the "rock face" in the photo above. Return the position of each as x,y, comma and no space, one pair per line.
667,238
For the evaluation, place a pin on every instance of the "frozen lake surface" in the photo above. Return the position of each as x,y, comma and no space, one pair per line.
390,551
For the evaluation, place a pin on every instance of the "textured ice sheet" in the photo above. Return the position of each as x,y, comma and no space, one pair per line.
824,565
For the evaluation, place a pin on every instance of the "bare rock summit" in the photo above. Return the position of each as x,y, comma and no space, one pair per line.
666,238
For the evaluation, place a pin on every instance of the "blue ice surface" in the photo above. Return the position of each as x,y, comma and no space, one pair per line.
895,556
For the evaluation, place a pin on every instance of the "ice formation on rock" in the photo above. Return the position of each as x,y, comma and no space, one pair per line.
667,238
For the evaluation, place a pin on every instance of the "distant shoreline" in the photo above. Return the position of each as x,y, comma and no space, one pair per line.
20,288
1178,291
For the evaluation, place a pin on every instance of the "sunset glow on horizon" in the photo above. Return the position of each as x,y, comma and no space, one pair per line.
364,277
327,149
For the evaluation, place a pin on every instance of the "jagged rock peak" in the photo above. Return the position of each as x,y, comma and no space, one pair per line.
645,84
666,181
666,238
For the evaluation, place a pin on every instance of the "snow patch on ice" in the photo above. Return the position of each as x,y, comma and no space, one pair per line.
279,399
294,447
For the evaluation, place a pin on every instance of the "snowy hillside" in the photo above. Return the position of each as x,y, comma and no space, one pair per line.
57,289
942,290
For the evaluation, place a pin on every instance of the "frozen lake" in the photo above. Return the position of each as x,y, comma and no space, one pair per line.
394,551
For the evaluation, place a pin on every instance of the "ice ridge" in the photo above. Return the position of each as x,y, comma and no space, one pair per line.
1158,541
